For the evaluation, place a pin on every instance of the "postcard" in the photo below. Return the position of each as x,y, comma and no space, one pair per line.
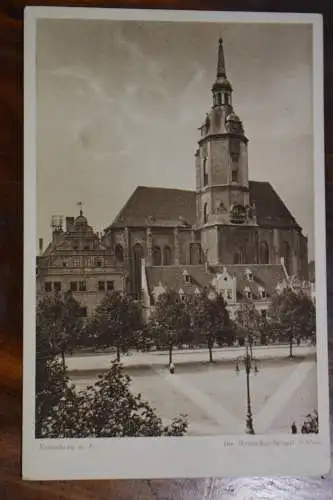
175,320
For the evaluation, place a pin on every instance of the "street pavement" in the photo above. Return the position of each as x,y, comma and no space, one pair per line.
214,395
160,358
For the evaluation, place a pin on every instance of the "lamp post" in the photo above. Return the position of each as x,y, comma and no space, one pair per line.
249,363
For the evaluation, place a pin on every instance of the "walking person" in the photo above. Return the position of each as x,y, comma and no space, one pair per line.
293,428
171,368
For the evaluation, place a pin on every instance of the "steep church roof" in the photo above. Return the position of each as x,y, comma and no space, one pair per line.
270,208
155,206
149,206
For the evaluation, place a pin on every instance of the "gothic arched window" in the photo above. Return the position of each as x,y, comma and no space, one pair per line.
239,256
119,253
167,256
263,253
157,256
196,255
205,213
137,257
286,253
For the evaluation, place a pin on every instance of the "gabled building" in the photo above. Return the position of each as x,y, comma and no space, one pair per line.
77,261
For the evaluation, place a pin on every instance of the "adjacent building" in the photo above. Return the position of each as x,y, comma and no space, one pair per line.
77,261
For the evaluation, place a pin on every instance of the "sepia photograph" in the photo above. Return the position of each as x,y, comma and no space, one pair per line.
178,285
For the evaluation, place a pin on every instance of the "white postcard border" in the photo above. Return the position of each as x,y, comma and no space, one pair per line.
52,459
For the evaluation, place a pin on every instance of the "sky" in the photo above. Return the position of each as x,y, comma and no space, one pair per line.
119,104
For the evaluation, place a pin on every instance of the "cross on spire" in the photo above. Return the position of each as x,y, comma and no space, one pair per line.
80,204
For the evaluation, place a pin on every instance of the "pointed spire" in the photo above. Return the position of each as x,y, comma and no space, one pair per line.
220,61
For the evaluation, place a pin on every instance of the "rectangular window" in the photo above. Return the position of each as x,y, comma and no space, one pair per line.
83,312
234,176
48,286
82,286
73,286
101,286
76,263
229,294
263,313
99,262
110,285
57,286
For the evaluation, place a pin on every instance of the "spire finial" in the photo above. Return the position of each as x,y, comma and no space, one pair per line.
79,203
220,61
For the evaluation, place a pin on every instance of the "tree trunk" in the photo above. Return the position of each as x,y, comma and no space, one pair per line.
210,347
63,360
290,346
170,354
118,353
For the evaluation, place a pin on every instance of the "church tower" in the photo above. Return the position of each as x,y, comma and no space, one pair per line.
222,185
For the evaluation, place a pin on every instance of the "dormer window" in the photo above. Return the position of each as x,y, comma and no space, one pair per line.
249,275
186,276
248,292
262,293
181,294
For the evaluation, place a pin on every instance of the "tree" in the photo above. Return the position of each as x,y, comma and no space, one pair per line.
171,319
106,409
58,323
248,321
293,314
210,319
115,321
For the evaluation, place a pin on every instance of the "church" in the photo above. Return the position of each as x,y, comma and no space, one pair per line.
231,235
229,226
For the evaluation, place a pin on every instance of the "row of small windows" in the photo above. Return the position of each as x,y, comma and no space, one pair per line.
77,286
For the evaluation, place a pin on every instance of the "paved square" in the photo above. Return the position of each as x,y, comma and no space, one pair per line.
214,397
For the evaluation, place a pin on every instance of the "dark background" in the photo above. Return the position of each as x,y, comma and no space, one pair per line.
11,270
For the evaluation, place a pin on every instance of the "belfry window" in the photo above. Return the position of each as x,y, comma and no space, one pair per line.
219,99
205,213
205,173
234,176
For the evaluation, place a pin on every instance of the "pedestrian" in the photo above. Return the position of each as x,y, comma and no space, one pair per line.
293,428
172,368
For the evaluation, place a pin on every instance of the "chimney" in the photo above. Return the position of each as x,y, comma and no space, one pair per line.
69,223
40,246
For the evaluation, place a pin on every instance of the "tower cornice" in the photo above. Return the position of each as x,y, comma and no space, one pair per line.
227,135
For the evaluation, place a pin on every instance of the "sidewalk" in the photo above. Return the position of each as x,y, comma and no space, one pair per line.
183,357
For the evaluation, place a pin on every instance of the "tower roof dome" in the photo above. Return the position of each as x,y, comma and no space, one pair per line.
222,84
232,117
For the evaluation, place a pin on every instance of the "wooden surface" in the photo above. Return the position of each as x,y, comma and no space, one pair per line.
11,180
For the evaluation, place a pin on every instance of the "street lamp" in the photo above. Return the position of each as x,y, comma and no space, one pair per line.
249,363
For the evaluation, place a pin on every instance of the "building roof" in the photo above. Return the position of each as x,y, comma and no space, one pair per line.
270,208
166,207
149,206
172,278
